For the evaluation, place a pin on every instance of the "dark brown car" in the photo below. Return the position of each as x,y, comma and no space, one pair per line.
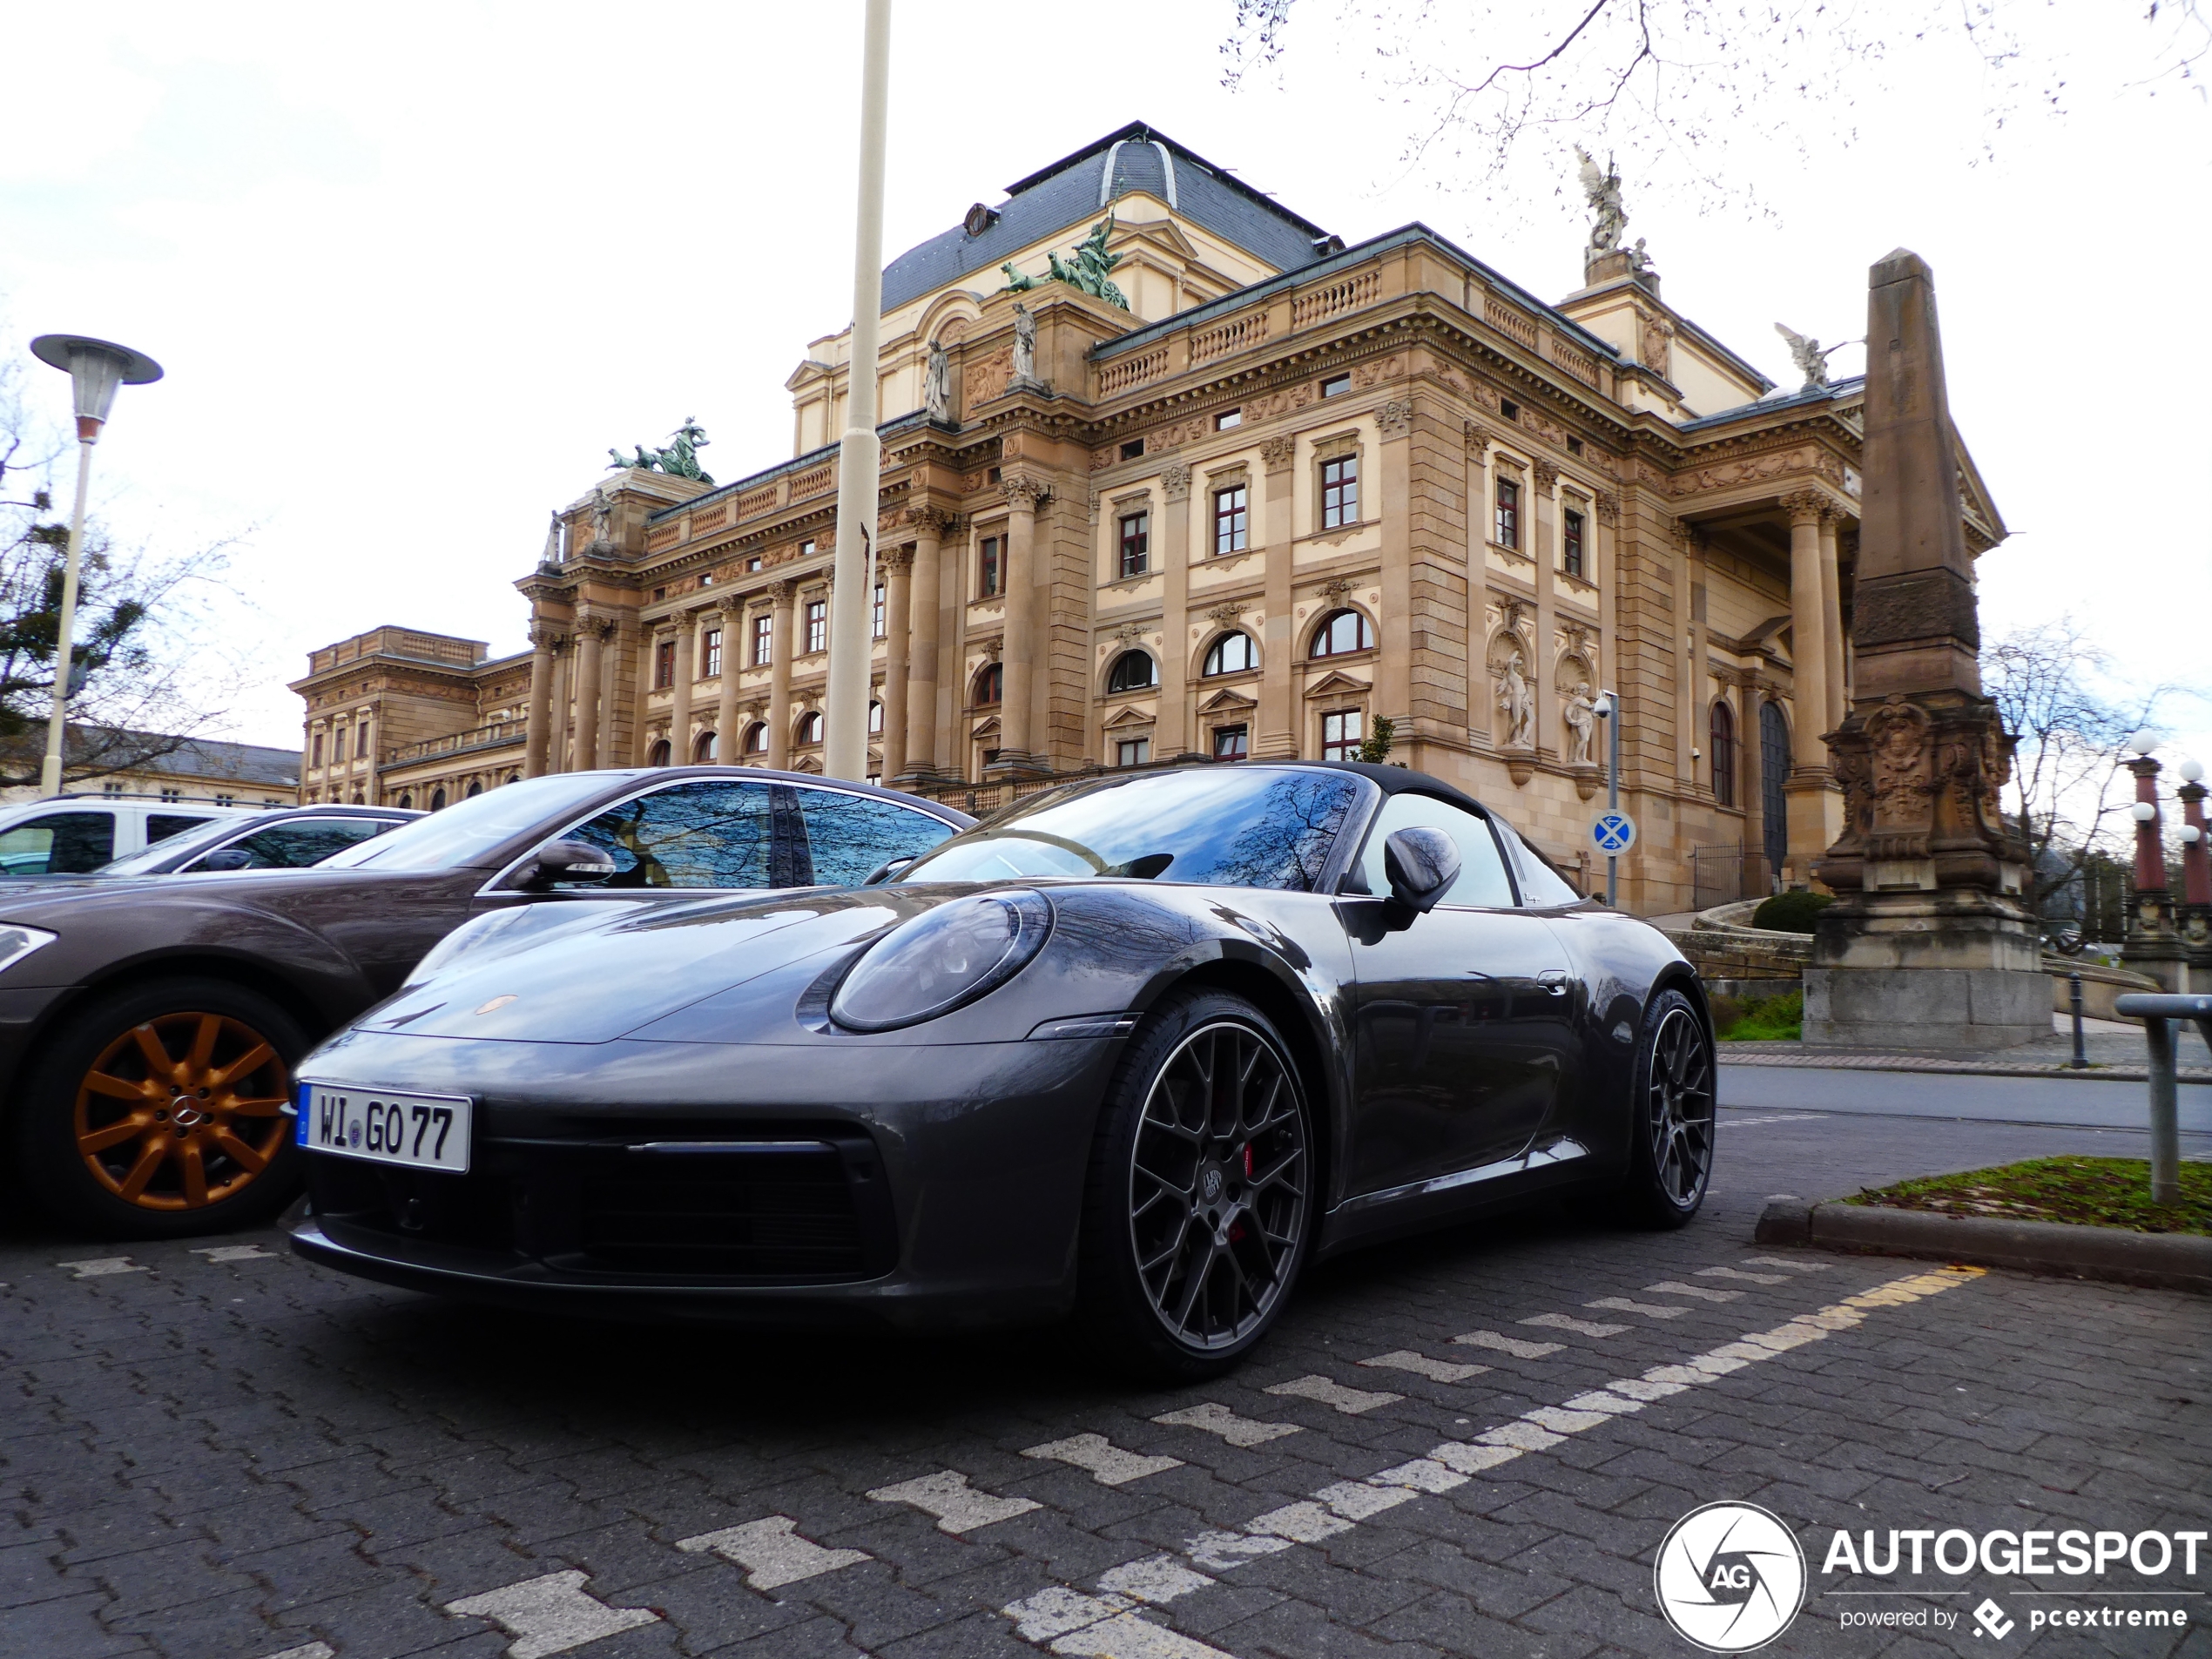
148,1028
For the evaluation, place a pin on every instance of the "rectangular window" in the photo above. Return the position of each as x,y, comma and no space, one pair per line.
988,571
1137,543
663,664
317,761
1508,409
1133,752
1227,419
114,788
1231,742
1570,549
1133,449
817,625
806,548
338,747
227,800
1340,492
1508,531
752,563
713,653
763,639
875,614
1341,735
1231,519
1574,446
1335,385
171,794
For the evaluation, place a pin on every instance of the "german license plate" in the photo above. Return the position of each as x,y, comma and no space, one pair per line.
426,1131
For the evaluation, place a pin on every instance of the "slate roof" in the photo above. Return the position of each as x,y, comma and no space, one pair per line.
1073,193
1847,387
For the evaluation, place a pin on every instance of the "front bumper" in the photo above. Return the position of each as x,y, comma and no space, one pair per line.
926,1186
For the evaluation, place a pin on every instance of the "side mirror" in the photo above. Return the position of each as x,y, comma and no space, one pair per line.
559,862
226,858
888,869
1422,864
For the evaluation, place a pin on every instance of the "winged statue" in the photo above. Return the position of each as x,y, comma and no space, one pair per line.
1602,187
1809,356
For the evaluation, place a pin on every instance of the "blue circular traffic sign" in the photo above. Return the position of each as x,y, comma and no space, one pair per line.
1613,833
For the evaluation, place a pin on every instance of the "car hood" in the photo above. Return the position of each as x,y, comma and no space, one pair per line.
594,984
48,901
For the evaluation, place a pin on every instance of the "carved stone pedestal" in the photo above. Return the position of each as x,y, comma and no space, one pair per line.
1521,765
2155,944
1587,779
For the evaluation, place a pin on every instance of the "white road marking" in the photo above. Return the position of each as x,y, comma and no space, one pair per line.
1622,1305
307,1650
101,1267
1423,1474
1109,1465
1747,1278
1567,1322
772,1551
1219,1419
1781,1117
1302,1523
550,1614
1357,1500
948,1496
236,1253
1350,1401
1421,1365
1224,1550
1703,1292
1513,1346
1098,1627
1783,1261
1162,1578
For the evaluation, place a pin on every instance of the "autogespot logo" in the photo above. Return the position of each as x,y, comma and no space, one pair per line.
1730,1577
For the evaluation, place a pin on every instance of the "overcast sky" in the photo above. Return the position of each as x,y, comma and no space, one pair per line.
412,269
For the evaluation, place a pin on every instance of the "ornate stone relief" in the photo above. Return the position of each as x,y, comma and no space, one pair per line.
1395,417
1278,453
1547,476
1175,482
1608,508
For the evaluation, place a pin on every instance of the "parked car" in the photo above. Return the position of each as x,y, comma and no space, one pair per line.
148,1025
1139,1047
74,834
279,838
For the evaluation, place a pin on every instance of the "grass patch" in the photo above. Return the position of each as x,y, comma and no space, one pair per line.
2096,1192
1766,1019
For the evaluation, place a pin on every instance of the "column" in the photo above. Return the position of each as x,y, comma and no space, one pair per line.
923,602
591,633
1758,873
1832,624
734,643
1688,687
783,595
1701,730
1170,732
679,712
1393,503
557,747
1275,734
896,565
539,721
1543,538
1017,655
1811,785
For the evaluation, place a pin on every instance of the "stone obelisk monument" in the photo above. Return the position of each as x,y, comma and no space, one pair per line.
1928,944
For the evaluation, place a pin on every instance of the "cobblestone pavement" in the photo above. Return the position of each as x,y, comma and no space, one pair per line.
1470,1443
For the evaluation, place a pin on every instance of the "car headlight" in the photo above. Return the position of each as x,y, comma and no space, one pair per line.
941,959
17,942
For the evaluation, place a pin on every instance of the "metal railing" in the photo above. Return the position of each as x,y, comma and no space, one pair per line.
2158,1014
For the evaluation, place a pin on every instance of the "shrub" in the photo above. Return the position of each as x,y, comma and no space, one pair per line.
1792,912
1771,1019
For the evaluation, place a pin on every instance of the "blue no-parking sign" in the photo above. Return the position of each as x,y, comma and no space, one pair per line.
1613,833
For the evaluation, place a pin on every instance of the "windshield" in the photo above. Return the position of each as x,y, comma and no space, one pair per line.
1235,826
467,834
181,845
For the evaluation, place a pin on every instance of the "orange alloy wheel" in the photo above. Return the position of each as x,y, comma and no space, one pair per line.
182,1111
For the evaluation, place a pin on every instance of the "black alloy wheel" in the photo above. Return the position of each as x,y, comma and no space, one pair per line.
1673,1110
1202,1190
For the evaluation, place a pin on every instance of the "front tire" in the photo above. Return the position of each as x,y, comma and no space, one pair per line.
1672,1113
156,1111
1200,1202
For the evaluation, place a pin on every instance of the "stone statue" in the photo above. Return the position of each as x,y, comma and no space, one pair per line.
1581,726
679,460
1517,702
1603,191
1025,344
603,518
1087,272
550,558
1639,262
937,385
1811,360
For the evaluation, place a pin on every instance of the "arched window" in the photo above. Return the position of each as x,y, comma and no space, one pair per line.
875,719
990,684
705,748
406,800
756,739
1231,654
810,727
438,799
512,778
1723,760
475,787
1132,671
657,755
1342,631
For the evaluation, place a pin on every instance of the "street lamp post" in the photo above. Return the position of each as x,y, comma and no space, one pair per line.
96,368
845,739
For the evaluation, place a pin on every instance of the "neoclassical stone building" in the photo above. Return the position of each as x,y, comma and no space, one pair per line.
1293,490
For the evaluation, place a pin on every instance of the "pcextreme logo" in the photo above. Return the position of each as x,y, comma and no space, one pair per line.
1730,1577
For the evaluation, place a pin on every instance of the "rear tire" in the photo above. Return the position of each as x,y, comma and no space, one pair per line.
155,1112
1200,1203
1671,1115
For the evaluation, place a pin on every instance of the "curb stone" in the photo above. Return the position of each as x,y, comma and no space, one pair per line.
1845,1060
2161,1261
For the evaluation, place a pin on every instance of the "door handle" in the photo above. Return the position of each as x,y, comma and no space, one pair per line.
1554,980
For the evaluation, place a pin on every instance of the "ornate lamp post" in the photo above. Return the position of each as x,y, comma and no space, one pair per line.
2152,946
2196,877
96,368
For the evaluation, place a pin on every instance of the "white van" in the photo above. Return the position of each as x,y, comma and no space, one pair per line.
69,834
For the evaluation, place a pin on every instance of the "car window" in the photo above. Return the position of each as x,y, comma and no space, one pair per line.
717,832
1541,885
300,842
1482,881
850,837
179,850
469,832
1233,826
161,825
59,844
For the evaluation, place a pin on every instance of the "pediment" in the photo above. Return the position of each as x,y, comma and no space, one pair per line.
1131,717
1227,702
986,727
1334,684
